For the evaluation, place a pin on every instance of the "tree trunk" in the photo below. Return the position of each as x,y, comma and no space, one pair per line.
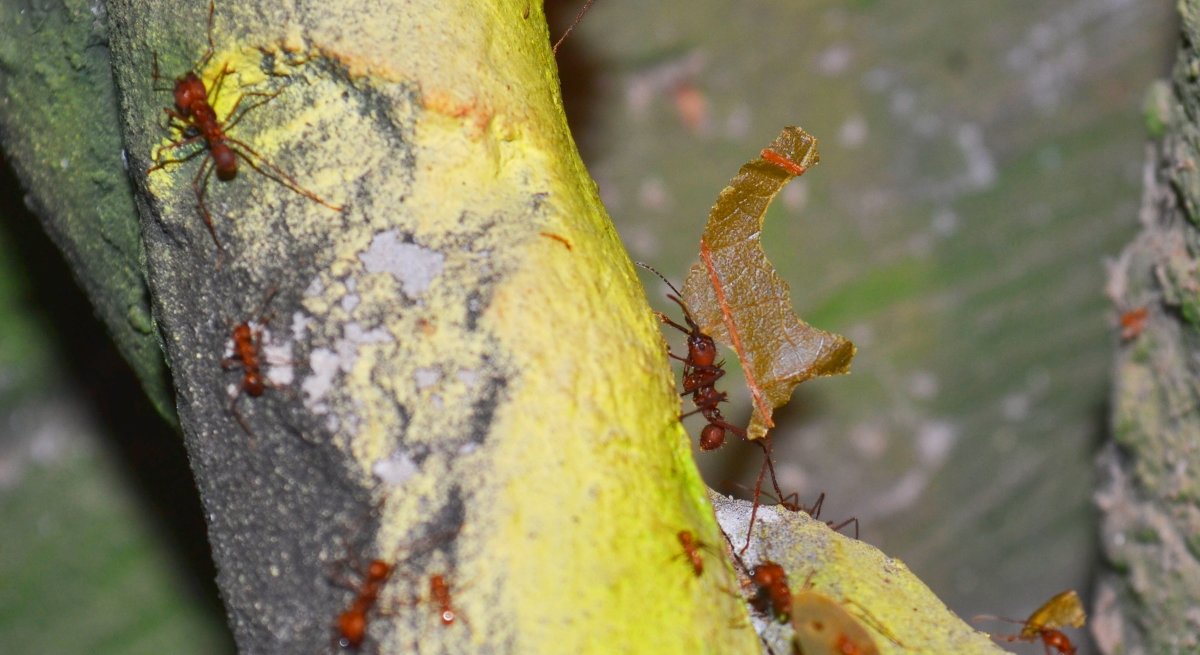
1147,598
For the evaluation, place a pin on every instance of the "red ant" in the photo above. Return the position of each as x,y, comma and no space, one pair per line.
352,623
691,550
1051,638
439,593
771,593
1063,610
247,353
196,120
701,370
1133,322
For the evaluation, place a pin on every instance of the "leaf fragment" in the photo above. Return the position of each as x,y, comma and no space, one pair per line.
738,298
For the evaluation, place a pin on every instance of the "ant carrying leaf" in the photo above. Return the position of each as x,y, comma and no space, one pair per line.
737,297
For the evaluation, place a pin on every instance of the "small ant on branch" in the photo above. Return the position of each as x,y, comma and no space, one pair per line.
197,123
352,623
247,345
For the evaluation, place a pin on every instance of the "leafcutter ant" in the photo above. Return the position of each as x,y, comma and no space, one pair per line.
701,370
350,628
771,597
1133,322
352,623
691,550
439,594
196,121
246,352
1064,610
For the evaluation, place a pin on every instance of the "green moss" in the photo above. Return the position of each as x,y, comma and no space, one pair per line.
1156,108
71,161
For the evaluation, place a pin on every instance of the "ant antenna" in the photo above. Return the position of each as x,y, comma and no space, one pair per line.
578,17
660,276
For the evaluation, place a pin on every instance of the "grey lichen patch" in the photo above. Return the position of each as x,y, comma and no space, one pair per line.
413,266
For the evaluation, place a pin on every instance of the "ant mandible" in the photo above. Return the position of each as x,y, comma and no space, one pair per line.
701,370
196,120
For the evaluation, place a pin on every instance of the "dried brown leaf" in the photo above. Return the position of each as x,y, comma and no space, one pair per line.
739,299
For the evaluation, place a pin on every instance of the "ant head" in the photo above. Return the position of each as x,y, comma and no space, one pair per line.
702,351
225,161
767,574
378,570
189,90
712,437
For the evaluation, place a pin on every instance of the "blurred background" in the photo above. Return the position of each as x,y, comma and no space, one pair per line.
979,163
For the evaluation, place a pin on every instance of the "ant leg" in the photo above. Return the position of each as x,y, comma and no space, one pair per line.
839,526
765,444
230,120
214,94
200,186
815,510
731,428
237,415
176,123
212,8
754,508
578,17
159,162
158,78
277,174
664,319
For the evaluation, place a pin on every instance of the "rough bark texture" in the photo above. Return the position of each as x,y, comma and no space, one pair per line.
1147,599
